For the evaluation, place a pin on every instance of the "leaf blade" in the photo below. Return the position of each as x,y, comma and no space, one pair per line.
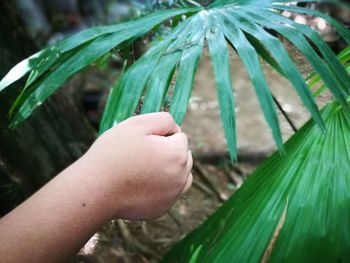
250,59
341,29
18,71
281,56
163,72
221,66
125,96
70,43
127,91
335,66
313,178
185,78
56,78
296,38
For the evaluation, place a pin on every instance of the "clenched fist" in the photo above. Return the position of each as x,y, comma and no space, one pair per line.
135,170
143,164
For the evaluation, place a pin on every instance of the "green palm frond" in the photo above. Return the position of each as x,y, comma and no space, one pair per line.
314,79
243,24
293,208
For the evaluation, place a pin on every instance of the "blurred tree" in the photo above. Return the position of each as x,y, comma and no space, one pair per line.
56,136
33,15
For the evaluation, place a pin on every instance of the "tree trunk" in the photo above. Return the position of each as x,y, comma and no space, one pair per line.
56,135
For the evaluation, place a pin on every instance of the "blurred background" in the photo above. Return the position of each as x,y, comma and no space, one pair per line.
75,111
49,21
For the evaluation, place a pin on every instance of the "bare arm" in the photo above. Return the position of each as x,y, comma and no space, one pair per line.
56,221
133,171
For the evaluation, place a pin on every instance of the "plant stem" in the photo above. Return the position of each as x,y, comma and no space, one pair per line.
294,128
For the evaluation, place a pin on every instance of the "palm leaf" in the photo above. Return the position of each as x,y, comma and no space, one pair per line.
293,208
241,23
297,38
186,72
314,79
220,58
250,59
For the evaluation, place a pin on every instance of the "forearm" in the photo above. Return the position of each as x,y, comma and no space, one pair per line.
54,223
136,170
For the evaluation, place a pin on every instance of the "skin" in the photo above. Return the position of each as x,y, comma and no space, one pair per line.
136,170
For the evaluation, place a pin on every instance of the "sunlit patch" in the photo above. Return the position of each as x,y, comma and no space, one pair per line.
17,72
287,107
182,209
321,23
90,246
300,19
287,14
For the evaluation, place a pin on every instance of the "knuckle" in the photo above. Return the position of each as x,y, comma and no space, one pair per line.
130,121
182,157
167,117
184,136
183,140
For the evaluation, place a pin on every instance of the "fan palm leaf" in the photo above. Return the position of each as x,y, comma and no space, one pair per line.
241,24
314,79
293,208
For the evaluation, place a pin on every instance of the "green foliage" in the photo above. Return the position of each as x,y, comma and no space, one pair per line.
293,208
242,24
220,57
315,79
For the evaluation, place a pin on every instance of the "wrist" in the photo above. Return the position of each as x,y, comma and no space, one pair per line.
92,192
100,186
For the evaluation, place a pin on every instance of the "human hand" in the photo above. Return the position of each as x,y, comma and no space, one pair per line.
143,166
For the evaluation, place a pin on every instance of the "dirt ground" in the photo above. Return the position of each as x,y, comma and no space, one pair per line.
215,177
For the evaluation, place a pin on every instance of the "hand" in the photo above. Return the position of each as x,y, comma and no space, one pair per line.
135,170
143,165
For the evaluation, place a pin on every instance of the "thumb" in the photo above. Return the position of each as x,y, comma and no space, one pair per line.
160,123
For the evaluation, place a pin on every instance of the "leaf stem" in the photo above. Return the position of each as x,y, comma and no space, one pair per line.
294,128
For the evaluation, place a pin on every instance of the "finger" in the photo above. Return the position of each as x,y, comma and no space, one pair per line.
179,140
160,123
189,162
188,184
188,172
